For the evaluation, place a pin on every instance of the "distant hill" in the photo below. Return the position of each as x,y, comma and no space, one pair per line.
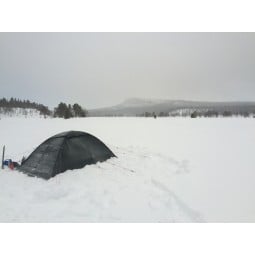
137,106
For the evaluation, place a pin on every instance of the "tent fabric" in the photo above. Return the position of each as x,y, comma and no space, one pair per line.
65,151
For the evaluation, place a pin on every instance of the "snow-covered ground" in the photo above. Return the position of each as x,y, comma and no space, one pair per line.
6,112
167,170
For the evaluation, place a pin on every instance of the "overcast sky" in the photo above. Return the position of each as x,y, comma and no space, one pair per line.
103,69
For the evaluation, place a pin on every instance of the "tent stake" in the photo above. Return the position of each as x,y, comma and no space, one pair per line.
3,157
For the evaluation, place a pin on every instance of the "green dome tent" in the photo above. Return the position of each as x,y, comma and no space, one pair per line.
64,151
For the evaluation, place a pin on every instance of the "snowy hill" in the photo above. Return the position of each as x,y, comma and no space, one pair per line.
136,106
19,112
138,102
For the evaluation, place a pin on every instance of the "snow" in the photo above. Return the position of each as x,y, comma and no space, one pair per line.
167,170
6,112
139,102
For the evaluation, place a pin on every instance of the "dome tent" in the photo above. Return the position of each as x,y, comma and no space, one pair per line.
64,151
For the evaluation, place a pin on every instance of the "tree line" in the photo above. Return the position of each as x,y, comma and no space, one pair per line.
69,111
62,110
209,114
24,104
195,114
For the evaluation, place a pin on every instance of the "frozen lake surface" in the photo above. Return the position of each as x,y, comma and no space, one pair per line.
167,170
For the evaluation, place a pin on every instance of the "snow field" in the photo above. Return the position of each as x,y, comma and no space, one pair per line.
167,170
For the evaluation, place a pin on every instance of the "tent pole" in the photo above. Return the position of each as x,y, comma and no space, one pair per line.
3,157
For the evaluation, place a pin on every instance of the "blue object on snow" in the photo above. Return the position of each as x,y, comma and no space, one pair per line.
7,162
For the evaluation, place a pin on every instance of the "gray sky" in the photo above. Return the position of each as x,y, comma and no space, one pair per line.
103,69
